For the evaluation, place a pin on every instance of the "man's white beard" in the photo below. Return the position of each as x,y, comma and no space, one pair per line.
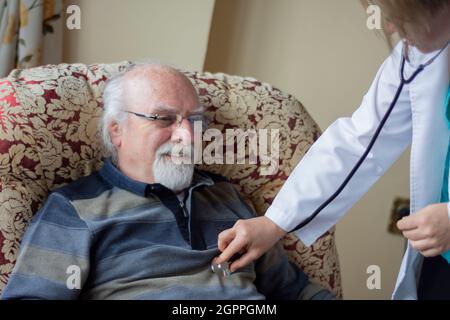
176,177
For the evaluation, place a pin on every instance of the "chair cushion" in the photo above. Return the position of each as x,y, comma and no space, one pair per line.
49,137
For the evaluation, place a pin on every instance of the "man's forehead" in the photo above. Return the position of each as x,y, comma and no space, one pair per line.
165,108
162,93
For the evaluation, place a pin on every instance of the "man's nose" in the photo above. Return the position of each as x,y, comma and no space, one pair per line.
183,133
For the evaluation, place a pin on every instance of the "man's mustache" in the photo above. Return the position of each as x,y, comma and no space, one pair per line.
176,150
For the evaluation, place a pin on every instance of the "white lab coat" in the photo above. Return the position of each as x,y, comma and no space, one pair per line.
417,120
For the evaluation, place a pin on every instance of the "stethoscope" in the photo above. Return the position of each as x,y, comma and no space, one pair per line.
403,82
222,269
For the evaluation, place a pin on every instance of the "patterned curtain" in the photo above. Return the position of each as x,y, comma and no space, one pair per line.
30,33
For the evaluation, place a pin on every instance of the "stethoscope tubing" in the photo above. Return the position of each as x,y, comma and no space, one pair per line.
361,160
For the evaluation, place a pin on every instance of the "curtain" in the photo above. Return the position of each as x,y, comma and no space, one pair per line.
30,33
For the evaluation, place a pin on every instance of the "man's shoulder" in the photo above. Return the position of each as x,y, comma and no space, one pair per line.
58,208
86,187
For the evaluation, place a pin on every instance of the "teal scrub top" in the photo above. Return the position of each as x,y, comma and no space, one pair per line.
444,193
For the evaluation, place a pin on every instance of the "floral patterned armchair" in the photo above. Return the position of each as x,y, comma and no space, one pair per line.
49,137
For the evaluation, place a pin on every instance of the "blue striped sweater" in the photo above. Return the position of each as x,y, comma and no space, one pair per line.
131,240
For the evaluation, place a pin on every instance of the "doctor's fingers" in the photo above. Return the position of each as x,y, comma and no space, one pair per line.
235,246
224,239
250,256
408,223
416,234
432,252
425,245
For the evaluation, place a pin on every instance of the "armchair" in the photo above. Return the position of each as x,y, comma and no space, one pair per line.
49,137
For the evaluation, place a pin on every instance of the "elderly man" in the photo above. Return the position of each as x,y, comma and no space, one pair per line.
145,226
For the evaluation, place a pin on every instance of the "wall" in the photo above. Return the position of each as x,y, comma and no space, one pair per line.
321,52
171,31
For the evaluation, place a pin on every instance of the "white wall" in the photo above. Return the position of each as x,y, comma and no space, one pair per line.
171,31
321,52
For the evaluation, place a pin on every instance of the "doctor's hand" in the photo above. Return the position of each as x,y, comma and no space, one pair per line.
428,230
252,238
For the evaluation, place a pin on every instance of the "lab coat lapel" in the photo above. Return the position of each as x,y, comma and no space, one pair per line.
428,153
430,135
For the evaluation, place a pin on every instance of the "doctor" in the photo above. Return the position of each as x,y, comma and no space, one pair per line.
420,119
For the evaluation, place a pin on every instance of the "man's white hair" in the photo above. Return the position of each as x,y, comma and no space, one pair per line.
113,107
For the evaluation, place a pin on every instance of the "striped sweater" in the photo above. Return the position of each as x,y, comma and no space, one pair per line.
106,236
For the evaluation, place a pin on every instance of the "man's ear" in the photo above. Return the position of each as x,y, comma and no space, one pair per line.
115,132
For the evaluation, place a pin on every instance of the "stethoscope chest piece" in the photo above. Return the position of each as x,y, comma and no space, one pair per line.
221,269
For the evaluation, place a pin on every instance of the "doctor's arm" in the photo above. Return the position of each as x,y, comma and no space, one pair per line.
325,166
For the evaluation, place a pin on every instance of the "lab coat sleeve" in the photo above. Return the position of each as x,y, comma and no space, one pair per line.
448,209
331,158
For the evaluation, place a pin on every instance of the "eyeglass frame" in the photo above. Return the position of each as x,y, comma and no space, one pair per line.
179,118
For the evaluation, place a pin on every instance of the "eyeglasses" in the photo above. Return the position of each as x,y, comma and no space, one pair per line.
166,121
